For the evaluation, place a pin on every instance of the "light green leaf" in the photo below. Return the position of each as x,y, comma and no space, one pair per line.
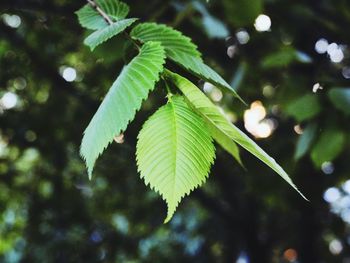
122,101
304,108
328,146
91,19
201,70
305,140
225,142
174,152
181,50
340,98
102,35
212,115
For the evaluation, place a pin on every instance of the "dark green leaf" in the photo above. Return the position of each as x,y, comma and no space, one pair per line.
242,12
329,145
304,108
340,98
305,140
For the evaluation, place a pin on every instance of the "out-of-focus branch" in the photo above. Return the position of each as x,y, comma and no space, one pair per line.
36,6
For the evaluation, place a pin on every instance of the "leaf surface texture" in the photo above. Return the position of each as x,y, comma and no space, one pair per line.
214,117
174,152
122,101
89,18
181,50
102,35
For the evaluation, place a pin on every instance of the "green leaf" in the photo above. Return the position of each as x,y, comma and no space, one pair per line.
225,142
241,13
340,97
214,117
201,70
305,140
304,108
280,58
181,50
213,26
102,35
91,19
174,152
239,75
172,40
122,101
328,146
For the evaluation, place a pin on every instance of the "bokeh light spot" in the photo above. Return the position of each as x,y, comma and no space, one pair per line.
346,72
255,122
327,168
120,139
9,100
290,255
321,46
69,74
298,129
262,23
13,21
316,87
242,36
335,247
331,195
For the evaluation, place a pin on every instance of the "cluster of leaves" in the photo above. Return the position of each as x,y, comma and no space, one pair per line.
175,148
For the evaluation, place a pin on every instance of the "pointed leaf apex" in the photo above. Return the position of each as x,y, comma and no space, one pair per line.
174,152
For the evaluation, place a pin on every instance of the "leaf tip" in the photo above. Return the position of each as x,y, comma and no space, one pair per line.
170,213
167,219
303,196
241,100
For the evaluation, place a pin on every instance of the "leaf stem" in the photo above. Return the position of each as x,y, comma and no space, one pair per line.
167,87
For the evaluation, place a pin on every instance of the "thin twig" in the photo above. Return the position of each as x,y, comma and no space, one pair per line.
100,11
110,21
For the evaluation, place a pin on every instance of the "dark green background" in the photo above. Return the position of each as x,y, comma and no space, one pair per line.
51,212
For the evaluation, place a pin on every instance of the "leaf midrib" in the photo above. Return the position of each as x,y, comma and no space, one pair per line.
175,147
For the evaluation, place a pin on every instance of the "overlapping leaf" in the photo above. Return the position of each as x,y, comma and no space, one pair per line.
122,101
181,50
197,67
174,152
91,19
213,116
225,142
172,40
102,35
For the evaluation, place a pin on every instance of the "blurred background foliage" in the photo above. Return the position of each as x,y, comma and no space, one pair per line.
288,59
